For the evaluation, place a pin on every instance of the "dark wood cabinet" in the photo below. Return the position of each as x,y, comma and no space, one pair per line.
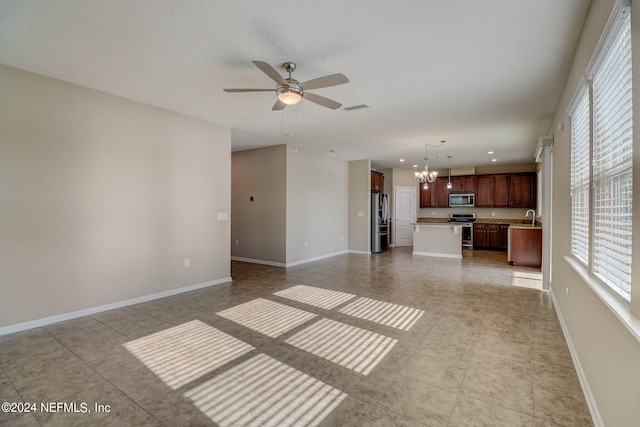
426,195
480,236
493,236
526,247
492,191
506,191
490,236
501,191
503,239
484,191
522,191
377,182
463,184
442,192
436,195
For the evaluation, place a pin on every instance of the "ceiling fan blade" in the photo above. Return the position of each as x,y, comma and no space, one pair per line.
279,105
271,72
249,90
326,81
321,100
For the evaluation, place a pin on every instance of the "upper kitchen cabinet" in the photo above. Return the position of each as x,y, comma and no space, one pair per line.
426,194
377,182
436,195
522,191
492,191
463,184
506,191
501,191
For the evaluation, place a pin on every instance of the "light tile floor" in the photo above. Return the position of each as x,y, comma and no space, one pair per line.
353,340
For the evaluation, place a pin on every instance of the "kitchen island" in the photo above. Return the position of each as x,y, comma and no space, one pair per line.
437,239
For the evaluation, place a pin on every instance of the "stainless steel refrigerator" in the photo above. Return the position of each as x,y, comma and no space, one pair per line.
379,222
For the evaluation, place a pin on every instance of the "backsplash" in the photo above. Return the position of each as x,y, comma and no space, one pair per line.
487,213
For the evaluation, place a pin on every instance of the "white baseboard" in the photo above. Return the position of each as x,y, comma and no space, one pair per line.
38,323
258,261
360,252
437,255
288,264
591,401
317,258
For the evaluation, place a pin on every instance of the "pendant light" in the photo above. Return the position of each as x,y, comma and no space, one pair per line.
426,177
449,185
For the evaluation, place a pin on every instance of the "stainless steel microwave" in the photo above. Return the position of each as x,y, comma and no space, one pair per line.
457,200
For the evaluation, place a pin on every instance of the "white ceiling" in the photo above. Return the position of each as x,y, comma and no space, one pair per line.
482,74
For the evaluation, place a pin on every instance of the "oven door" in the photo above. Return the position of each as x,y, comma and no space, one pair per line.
467,235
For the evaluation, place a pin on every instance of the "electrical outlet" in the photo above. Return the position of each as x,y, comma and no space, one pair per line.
306,244
342,238
187,263
493,213
237,242
566,291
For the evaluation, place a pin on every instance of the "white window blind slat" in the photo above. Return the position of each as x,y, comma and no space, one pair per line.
612,162
580,137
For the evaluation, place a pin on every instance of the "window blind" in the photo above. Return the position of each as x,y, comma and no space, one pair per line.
580,176
612,161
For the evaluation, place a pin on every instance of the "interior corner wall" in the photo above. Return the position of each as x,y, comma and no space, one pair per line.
259,226
317,205
360,206
607,352
102,198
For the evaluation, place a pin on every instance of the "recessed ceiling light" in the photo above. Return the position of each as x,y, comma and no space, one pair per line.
415,166
494,160
401,160
489,152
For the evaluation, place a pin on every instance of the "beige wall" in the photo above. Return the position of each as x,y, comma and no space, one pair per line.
300,205
102,199
606,350
360,202
317,204
259,227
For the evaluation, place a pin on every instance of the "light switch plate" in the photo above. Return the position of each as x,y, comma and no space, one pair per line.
223,216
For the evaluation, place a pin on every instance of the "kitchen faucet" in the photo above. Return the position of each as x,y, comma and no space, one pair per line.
533,217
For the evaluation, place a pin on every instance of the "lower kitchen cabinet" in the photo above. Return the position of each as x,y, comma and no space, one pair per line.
525,246
490,236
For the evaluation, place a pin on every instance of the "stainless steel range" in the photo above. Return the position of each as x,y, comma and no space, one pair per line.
466,221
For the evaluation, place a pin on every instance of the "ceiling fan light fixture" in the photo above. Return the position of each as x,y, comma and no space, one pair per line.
289,96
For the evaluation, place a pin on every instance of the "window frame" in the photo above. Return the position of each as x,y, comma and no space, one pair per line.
592,262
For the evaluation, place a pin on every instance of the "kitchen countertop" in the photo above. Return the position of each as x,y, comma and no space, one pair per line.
526,227
524,223
437,224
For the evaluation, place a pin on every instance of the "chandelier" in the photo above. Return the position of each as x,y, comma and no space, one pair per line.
427,177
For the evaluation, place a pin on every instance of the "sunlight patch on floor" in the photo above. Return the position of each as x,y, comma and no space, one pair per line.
264,391
385,313
267,317
527,279
317,297
186,352
349,346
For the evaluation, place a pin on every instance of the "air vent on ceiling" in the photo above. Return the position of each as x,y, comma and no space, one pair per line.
356,107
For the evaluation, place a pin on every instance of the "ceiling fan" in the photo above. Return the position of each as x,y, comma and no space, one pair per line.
290,91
